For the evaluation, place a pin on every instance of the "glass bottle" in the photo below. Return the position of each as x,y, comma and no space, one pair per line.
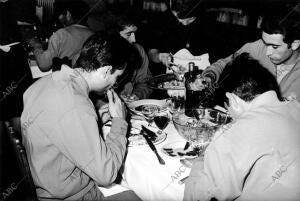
189,78
193,97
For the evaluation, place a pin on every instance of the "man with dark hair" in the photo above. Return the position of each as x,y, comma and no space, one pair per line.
255,157
67,41
67,155
78,10
180,27
135,84
278,50
243,72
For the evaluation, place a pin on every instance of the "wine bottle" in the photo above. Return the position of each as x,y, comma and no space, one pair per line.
193,98
189,78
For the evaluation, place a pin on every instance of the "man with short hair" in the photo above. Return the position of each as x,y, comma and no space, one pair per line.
136,82
67,41
257,156
67,155
278,50
181,30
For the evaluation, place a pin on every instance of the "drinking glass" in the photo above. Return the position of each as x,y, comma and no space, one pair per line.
148,114
177,104
161,120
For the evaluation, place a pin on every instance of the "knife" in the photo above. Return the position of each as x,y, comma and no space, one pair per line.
186,146
151,145
150,133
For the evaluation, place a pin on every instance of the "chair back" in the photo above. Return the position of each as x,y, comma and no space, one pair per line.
25,185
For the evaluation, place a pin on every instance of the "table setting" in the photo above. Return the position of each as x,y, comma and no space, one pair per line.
165,136
162,143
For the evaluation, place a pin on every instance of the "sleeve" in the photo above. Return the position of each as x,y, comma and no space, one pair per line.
83,145
216,177
44,58
140,87
214,71
293,90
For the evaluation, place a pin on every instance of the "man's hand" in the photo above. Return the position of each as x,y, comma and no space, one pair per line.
115,105
127,98
104,113
200,83
165,58
35,43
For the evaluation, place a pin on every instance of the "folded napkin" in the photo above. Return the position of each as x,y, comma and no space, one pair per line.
183,57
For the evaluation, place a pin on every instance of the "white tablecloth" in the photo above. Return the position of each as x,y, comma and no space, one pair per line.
147,178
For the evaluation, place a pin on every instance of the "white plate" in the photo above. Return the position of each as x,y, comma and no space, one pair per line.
135,138
175,150
150,105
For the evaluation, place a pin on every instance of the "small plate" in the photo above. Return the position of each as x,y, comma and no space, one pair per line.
138,139
135,138
148,106
175,150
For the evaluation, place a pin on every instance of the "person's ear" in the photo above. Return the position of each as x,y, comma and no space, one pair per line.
233,101
69,16
295,44
107,71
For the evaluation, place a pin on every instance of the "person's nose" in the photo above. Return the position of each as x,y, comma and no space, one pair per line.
132,38
269,51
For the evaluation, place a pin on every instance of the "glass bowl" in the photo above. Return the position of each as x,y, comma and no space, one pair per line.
200,131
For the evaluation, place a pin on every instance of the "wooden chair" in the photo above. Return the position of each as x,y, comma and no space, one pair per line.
25,187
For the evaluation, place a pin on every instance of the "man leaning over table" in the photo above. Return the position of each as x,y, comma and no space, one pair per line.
67,41
136,85
278,50
257,156
67,155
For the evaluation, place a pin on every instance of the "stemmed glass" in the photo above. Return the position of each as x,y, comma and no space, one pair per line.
161,120
200,139
149,115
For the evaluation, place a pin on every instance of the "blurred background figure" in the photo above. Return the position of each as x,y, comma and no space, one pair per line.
67,41
182,30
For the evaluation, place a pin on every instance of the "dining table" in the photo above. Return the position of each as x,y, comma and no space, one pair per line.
148,178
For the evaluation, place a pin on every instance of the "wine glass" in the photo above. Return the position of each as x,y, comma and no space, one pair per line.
149,114
161,120
200,138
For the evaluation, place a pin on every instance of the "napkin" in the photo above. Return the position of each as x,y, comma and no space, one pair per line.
183,57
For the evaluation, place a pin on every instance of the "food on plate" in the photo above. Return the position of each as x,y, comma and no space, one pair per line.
148,109
179,68
135,136
129,98
138,139
180,152
173,84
